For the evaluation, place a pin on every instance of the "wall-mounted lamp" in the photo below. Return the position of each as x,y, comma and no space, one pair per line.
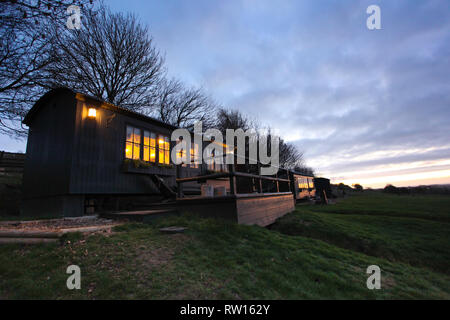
92,113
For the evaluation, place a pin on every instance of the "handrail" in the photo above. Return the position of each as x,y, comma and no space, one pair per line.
229,174
204,177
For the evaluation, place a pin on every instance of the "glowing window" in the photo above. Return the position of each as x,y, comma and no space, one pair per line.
181,154
149,149
194,156
163,150
133,143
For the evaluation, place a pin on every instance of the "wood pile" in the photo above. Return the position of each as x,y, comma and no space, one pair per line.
50,230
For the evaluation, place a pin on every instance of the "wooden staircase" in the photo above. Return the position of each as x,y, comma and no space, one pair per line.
163,187
145,211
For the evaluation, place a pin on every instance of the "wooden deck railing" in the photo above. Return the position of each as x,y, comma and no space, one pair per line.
231,175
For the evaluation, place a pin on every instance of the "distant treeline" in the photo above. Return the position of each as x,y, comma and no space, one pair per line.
445,189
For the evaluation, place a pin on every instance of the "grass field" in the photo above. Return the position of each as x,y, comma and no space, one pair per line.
431,207
396,228
313,253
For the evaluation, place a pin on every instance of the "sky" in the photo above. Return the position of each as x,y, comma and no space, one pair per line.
364,106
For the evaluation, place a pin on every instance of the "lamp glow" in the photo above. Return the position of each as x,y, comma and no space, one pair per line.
92,113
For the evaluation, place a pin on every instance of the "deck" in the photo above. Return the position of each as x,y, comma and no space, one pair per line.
260,209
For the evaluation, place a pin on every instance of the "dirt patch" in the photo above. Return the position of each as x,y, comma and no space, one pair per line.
155,257
387,282
56,224
150,257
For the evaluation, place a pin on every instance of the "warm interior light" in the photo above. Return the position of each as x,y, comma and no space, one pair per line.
161,141
92,113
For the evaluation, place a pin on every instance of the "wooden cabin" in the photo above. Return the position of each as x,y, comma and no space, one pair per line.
84,153
86,156
303,186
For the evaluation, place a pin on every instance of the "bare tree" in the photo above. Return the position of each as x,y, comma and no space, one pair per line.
290,156
305,170
181,106
234,119
25,43
165,102
112,57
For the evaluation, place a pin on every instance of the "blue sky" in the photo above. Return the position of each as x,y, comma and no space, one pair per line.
364,106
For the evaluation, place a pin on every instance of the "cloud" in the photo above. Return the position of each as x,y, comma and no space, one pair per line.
347,96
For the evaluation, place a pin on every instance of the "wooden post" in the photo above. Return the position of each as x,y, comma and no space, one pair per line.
289,178
324,197
179,185
259,180
278,183
232,179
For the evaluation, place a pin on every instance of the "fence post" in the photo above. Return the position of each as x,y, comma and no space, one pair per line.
232,179
179,184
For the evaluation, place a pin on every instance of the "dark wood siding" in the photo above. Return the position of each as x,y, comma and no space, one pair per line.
49,148
99,152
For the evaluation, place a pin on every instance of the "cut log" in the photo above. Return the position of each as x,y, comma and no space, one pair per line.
89,229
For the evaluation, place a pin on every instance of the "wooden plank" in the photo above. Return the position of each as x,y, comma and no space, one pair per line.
244,212
257,214
266,203
263,211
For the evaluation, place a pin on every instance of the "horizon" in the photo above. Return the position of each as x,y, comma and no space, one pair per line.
365,106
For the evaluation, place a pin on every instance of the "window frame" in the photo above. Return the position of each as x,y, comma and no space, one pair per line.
165,152
142,145
132,142
152,135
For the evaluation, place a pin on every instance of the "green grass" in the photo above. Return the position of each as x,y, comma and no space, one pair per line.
431,207
213,259
418,242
